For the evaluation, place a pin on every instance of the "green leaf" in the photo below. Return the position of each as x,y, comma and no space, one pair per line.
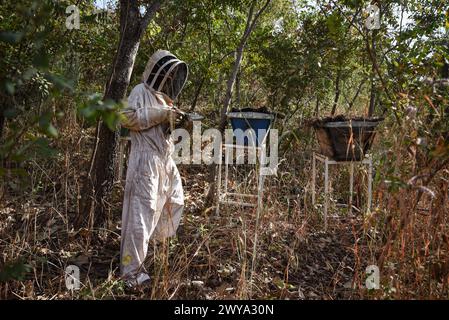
10,113
11,37
111,119
109,104
29,73
334,24
10,87
87,112
42,148
41,60
14,271
60,82
46,125
51,131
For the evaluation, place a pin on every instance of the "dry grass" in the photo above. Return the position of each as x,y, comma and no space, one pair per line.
211,257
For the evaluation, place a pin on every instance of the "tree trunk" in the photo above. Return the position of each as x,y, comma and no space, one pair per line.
237,88
100,178
337,93
230,86
445,71
250,24
2,123
372,100
197,94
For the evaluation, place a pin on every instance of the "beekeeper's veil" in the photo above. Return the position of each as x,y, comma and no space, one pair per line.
165,73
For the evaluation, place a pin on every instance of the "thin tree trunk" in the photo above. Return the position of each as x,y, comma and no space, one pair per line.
100,179
230,87
237,88
2,123
197,94
359,89
203,79
250,24
337,93
445,71
372,99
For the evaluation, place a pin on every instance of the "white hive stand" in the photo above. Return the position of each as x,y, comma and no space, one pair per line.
236,198
242,199
327,162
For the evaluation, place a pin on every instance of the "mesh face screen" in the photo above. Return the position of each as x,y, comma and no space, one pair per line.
175,75
156,68
175,81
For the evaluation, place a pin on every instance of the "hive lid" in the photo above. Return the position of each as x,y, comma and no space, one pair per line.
194,116
347,124
250,115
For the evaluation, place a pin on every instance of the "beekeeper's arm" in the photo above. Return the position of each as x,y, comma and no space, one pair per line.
139,116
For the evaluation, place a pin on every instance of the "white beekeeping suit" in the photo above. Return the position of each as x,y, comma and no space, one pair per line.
153,199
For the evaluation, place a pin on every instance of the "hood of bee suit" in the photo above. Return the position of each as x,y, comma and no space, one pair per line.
166,73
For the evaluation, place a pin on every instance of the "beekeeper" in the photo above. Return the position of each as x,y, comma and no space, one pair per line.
153,199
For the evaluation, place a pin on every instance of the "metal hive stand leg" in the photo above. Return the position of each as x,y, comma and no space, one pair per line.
313,177
368,161
370,182
260,186
326,190
217,210
351,186
261,179
222,184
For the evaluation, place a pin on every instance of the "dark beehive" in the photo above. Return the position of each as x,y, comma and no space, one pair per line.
345,140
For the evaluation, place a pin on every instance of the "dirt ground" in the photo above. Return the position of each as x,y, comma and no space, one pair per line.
211,257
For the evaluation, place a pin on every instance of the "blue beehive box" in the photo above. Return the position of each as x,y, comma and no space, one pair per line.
259,122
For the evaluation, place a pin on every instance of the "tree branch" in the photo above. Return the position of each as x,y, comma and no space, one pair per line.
149,14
